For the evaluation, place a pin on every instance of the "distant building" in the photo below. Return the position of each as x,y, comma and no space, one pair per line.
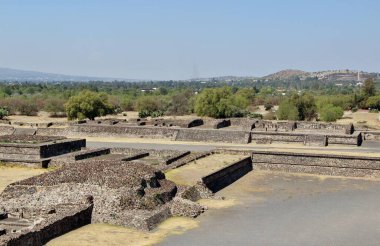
148,89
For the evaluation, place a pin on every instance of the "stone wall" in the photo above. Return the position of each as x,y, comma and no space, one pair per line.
264,132
24,153
175,157
371,135
316,140
122,131
184,123
265,125
211,135
245,124
353,139
53,227
289,126
274,126
52,131
227,175
333,127
279,137
152,152
166,157
306,138
61,160
61,147
327,164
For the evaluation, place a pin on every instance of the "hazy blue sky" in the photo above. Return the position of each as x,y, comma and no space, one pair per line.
182,39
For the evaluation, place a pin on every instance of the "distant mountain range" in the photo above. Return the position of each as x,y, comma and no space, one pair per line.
330,75
11,75
293,74
8,74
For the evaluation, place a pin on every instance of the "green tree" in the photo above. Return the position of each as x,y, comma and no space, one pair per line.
88,104
181,103
305,103
220,103
373,102
247,93
330,113
153,106
369,88
287,110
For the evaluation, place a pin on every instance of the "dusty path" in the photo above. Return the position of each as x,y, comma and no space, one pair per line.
286,209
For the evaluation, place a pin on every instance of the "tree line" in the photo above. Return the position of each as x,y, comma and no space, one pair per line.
89,100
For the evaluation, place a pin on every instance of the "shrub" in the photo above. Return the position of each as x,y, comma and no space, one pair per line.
150,104
306,106
330,113
55,106
373,102
268,106
287,111
369,88
3,113
88,104
220,103
181,103
154,114
28,108
255,115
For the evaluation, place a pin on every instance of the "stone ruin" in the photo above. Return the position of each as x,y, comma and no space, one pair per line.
123,186
127,187
126,193
34,150
232,130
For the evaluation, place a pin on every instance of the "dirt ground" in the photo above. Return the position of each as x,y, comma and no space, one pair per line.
275,208
40,118
103,234
361,119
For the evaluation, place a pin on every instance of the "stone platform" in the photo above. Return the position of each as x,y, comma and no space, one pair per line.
32,150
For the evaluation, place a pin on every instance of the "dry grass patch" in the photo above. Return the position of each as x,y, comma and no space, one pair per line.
191,173
103,234
11,174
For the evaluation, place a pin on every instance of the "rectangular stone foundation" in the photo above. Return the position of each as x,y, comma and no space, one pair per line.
38,153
